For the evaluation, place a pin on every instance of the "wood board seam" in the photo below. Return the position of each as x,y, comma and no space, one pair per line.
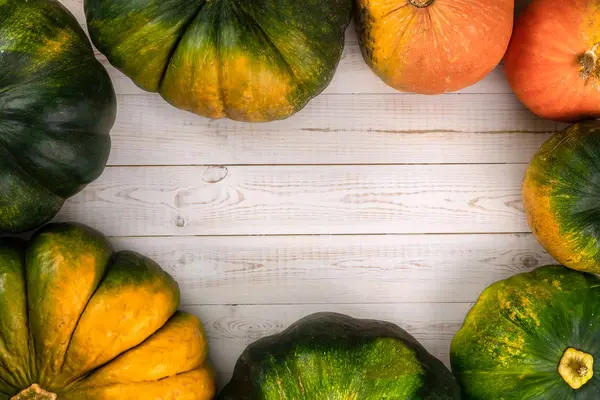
311,165
284,304
271,235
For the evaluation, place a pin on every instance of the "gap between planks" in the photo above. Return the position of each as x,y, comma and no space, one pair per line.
308,165
330,303
275,235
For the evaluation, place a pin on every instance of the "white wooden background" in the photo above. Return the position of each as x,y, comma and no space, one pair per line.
369,202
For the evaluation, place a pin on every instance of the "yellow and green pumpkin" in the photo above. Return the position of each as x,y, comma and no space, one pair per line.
256,60
81,322
560,194
57,107
535,335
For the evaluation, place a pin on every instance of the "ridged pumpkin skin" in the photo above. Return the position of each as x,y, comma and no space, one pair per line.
545,61
433,46
336,357
560,195
57,106
255,61
515,336
85,323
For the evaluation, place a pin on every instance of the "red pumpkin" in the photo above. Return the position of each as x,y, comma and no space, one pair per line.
433,46
552,60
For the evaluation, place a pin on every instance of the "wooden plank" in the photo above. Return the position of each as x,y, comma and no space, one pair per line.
353,75
382,129
338,269
231,328
249,200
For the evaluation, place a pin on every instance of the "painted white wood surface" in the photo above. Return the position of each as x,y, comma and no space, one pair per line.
370,202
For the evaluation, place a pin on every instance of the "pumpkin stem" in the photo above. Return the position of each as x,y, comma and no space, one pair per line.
34,392
588,61
576,367
421,3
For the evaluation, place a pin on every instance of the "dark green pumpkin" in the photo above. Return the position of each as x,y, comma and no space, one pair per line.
257,60
526,337
336,357
57,106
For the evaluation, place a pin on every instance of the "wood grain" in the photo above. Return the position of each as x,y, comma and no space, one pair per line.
343,129
150,201
338,269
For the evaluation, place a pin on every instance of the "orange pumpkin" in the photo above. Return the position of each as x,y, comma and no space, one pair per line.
552,60
433,46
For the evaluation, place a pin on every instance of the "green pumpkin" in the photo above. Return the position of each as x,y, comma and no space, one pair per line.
81,322
560,194
336,357
255,60
533,336
57,106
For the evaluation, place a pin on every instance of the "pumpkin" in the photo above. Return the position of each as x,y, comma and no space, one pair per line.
333,356
250,61
552,61
433,46
532,336
57,106
81,322
560,196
